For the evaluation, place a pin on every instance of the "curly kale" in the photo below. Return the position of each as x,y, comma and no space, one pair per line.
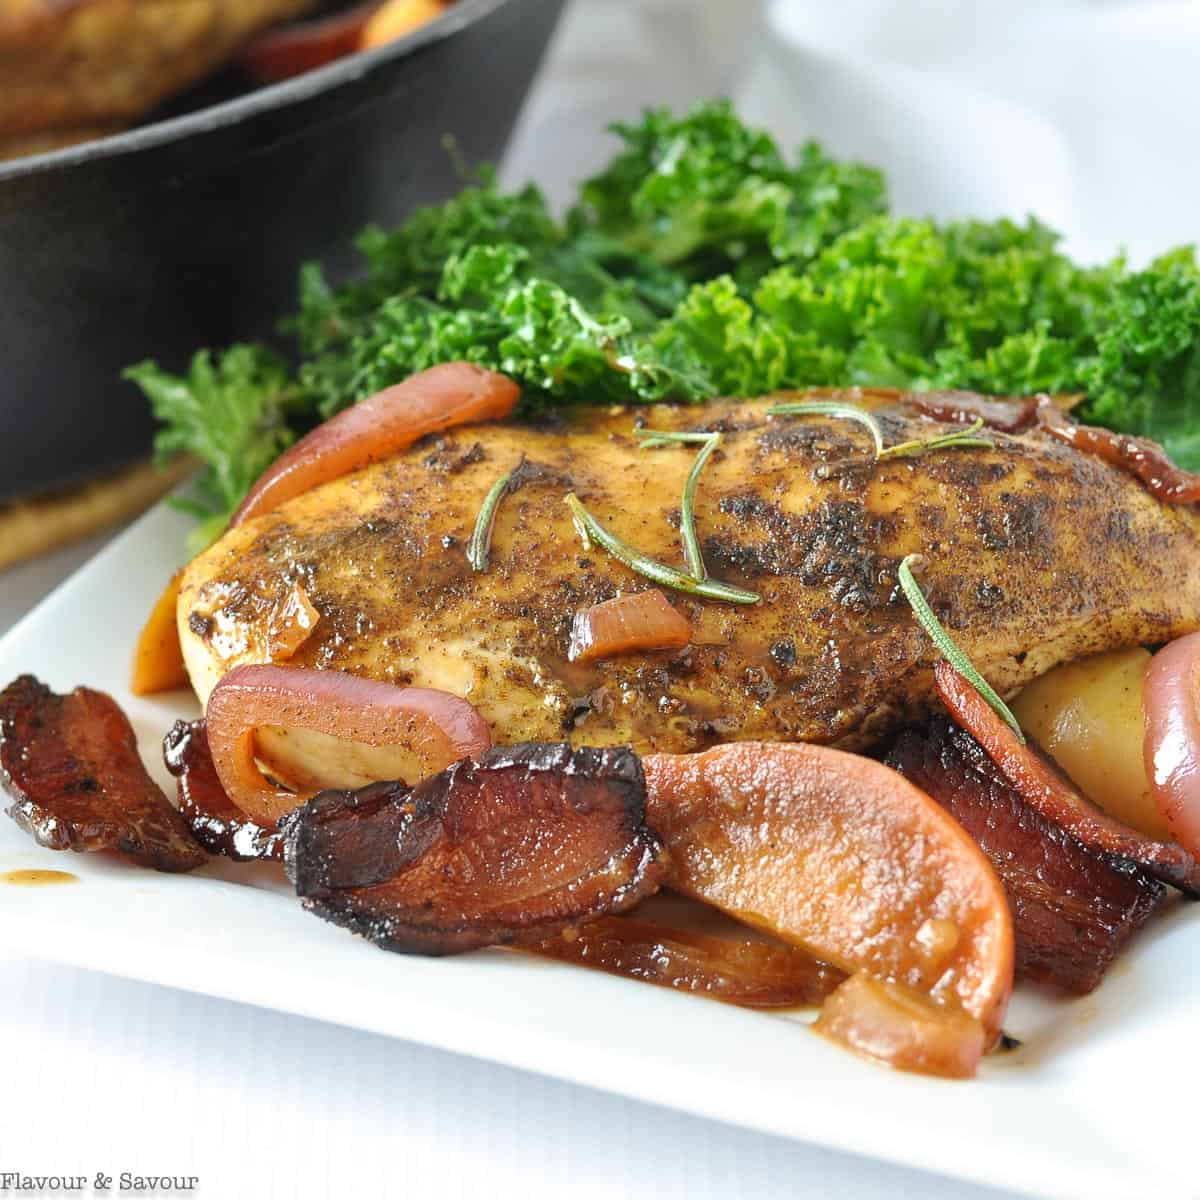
702,261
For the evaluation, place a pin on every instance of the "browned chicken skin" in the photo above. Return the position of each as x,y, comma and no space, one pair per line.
1035,554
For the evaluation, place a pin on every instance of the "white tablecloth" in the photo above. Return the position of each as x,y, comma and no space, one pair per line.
101,1075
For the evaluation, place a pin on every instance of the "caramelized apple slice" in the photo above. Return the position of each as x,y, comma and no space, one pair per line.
903,1028
1049,791
513,847
216,822
842,856
1073,907
158,657
751,973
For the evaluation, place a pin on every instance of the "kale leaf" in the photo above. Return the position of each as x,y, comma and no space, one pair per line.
701,261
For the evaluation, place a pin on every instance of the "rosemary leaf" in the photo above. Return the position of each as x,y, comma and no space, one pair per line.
957,439
946,644
821,408
481,539
687,511
653,438
590,530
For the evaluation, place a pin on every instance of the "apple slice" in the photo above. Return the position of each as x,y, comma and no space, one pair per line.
843,856
158,657
896,1025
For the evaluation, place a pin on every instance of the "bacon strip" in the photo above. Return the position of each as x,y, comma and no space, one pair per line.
753,974
513,847
216,822
72,767
1052,794
1073,907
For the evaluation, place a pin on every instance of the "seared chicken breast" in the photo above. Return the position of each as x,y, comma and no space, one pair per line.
1034,554
73,69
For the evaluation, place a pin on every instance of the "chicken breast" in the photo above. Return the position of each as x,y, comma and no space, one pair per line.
78,68
1035,554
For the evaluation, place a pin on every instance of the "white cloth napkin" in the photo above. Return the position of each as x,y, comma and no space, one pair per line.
1083,113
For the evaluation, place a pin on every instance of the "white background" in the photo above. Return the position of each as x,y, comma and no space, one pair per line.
103,1075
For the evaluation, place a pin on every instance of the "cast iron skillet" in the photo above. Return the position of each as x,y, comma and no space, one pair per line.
188,232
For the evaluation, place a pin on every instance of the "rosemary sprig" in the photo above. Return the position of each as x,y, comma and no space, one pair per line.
481,539
590,530
956,439
946,644
822,408
687,510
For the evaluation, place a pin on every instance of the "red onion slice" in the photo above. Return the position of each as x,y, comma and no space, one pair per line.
1048,790
454,393
1171,701
436,727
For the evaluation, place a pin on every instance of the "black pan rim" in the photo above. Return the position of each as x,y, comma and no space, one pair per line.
344,71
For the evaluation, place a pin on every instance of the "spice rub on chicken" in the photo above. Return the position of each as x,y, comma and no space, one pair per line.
1035,553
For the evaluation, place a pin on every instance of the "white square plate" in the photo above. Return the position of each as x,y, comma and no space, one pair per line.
1096,1103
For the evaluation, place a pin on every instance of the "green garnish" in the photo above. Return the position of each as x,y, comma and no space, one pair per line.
847,412
957,439
590,530
946,644
703,261
481,538
687,509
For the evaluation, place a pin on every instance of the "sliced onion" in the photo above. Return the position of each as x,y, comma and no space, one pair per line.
1142,458
1171,700
1009,414
436,727
639,621
450,394
751,973
1047,789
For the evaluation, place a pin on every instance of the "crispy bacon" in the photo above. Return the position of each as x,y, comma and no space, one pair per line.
1044,787
753,974
216,822
1073,907
72,767
513,847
